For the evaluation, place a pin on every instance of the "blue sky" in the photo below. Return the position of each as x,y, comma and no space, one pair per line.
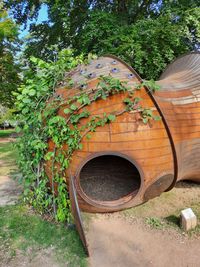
42,16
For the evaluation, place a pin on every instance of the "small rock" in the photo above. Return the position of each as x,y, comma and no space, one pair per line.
188,219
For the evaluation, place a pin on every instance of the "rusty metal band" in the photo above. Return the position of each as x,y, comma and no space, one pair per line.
77,215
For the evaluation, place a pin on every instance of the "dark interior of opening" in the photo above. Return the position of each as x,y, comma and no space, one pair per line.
108,178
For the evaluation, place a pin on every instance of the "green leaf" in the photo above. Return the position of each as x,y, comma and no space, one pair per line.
18,129
73,107
80,146
26,100
145,120
25,110
19,97
157,118
32,92
67,110
33,59
127,101
111,117
137,100
88,136
25,91
66,163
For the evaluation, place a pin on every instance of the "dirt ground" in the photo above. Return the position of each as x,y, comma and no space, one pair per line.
43,258
124,239
116,242
7,140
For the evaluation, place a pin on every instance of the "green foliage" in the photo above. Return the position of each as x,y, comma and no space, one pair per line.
39,86
151,85
146,34
9,78
6,115
148,44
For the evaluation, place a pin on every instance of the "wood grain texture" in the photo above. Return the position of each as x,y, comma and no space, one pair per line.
180,104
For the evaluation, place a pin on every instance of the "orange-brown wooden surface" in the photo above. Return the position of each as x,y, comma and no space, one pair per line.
179,100
148,146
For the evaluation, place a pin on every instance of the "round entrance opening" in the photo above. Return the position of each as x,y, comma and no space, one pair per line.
109,178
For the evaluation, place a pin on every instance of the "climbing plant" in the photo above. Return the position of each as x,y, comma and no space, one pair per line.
38,104
40,81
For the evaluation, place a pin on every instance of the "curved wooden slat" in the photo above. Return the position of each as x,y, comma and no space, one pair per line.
180,104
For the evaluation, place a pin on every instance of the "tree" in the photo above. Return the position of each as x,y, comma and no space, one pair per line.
146,33
9,78
5,116
146,45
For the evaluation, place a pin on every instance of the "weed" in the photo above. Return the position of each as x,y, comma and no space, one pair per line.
154,222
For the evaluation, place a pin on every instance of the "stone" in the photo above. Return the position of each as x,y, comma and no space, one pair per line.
188,219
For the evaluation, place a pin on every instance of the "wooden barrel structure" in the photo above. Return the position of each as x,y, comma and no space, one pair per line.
179,102
126,162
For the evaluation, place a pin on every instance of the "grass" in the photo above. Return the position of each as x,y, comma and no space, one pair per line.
21,230
8,156
7,151
153,207
164,211
154,222
173,221
6,133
